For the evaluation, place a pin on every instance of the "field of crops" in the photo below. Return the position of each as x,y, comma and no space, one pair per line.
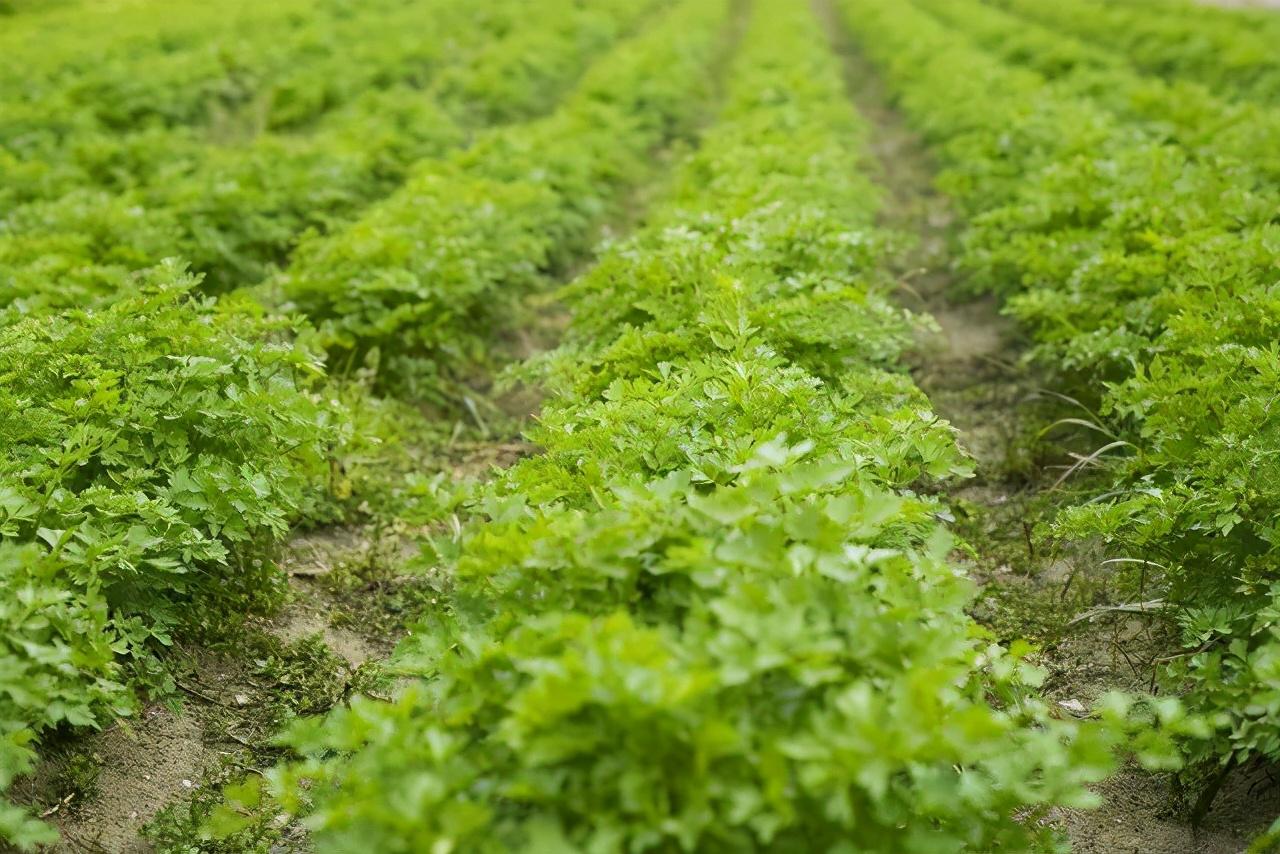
639,426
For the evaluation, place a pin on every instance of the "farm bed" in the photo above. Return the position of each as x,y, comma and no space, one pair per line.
704,425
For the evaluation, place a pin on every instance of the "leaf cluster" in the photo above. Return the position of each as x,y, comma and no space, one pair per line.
155,452
502,216
716,614
1139,251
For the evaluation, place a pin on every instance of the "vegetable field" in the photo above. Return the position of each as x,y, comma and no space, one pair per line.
646,426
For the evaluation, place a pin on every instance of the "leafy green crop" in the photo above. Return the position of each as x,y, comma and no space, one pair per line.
135,438
234,213
718,611
154,453
418,283
158,448
1144,264
60,44
716,614
1244,134
283,68
57,667
1179,40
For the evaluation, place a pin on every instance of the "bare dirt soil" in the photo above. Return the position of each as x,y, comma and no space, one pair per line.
145,762
163,754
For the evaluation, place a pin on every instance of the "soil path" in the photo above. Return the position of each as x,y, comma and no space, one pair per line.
971,370
159,756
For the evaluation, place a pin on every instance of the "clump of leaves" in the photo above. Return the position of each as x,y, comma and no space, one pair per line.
306,677
155,452
716,613
1140,253
159,449
76,780
227,813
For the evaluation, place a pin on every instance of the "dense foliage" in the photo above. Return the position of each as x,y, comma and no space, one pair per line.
1231,52
719,609
154,452
714,613
288,61
158,445
501,216
1207,125
103,204
1143,262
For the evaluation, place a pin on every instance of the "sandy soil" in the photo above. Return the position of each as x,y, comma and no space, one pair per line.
160,756
145,763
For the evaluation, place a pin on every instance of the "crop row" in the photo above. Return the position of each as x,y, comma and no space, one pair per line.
714,613
277,70
154,453
158,447
233,213
53,144
51,150
1239,135
418,283
1145,269
66,41
1233,54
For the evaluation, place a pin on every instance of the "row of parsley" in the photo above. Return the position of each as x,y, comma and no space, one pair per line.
158,447
234,212
61,43
1144,266
290,62
418,284
1229,50
1187,113
54,144
715,612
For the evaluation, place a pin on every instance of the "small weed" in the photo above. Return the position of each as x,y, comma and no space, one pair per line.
228,813
307,677
69,781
